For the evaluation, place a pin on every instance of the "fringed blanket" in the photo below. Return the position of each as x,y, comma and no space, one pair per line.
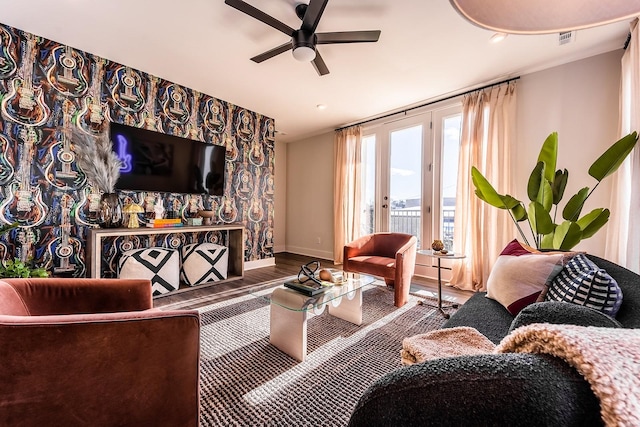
449,342
608,358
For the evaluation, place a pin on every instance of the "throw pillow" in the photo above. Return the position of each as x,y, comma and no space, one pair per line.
204,262
160,265
584,283
520,274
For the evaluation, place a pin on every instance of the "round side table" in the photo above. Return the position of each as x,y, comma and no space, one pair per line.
439,306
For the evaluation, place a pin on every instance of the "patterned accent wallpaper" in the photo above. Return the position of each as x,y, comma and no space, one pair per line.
46,88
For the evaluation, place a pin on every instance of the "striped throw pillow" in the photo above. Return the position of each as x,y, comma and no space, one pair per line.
584,283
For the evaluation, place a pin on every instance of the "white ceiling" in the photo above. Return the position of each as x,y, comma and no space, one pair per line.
426,51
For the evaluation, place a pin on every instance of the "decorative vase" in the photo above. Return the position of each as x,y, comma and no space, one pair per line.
110,214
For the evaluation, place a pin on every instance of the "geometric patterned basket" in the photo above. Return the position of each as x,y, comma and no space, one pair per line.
203,262
160,265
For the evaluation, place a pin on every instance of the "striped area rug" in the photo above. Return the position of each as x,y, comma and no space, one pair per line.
247,382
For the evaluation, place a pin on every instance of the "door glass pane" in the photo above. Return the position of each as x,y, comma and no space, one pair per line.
405,181
452,127
368,191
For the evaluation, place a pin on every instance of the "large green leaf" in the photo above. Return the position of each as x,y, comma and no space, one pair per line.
488,193
519,213
480,195
549,155
566,236
535,180
593,221
510,202
545,198
571,211
559,185
547,241
611,159
539,219
539,188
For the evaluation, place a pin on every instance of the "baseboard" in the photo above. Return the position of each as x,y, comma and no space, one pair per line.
259,263
310,252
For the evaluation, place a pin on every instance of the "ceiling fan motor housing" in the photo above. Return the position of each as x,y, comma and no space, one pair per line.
302,38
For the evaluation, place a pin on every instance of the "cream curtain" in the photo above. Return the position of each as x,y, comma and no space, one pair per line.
346,194
623,232
481,231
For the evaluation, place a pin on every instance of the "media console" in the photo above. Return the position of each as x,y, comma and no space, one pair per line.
235,245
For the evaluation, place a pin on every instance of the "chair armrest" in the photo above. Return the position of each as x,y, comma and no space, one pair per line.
137,368
406,259
410,245
50,296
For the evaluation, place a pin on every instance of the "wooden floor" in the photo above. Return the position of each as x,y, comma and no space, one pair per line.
287,264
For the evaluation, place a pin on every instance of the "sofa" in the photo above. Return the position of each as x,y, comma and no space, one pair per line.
391,256
507,389
80,352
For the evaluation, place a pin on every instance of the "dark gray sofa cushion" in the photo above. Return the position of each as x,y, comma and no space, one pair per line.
562,313
511,389
488,316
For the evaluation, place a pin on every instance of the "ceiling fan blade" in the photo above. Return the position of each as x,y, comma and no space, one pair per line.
348,37
260,16
319,65
313,14
271,53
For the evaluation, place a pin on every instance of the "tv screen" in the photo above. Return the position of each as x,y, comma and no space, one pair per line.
153,161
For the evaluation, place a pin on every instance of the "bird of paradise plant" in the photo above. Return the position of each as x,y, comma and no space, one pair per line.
545,190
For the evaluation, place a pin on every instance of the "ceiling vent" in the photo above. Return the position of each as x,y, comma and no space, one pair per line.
566,37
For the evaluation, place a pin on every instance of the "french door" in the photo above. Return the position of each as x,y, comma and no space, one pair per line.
409,175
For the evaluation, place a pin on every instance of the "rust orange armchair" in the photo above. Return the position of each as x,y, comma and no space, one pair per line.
94,352
391,256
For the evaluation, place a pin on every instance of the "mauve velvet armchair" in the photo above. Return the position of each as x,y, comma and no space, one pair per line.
391,256
93,352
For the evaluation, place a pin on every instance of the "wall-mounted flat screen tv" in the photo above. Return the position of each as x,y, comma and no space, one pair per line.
153,161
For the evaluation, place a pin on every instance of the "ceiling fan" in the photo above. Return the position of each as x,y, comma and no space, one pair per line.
303,41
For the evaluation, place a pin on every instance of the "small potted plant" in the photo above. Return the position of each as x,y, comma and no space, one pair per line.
17,268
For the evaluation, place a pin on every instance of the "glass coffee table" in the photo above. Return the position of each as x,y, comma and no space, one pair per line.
289,311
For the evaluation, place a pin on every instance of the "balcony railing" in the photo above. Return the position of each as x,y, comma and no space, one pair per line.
408,221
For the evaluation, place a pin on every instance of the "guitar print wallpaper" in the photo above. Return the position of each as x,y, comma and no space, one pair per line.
47,89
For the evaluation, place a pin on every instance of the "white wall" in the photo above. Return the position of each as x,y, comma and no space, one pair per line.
578,100
310,197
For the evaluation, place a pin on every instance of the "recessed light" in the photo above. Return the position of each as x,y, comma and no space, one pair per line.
498,37
321,107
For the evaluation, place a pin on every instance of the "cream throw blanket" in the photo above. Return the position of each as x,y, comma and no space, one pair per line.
448,342
608,358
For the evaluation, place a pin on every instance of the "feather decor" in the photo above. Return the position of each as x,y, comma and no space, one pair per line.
97,159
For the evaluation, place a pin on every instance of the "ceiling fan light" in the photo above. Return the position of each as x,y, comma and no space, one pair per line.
304,54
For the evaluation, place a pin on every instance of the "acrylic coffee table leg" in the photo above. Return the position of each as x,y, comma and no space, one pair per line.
349,307
288,328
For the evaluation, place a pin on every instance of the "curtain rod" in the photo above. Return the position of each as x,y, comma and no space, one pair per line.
429,103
